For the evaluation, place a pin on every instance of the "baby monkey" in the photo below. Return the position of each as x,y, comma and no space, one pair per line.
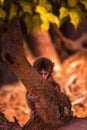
45,68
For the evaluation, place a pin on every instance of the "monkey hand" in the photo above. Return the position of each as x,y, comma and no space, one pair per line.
65,107
32,114
32,98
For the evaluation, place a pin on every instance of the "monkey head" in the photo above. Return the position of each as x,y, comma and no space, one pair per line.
44,66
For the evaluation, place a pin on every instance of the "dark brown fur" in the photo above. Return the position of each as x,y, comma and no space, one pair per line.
64,102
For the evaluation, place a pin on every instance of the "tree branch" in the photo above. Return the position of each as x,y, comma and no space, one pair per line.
12,52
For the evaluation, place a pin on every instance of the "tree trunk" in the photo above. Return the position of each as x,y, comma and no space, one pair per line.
43,46
43,92
6,125
48,115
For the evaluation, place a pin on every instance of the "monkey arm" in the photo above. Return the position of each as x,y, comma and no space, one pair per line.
65,107
30,101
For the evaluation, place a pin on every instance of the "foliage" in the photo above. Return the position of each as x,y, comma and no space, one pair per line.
40,13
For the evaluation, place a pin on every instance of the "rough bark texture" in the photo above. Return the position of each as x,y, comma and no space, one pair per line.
43,93
78,124
6,125
38,124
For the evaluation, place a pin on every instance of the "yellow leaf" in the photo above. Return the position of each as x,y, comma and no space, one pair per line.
45,26
13,11
63,12
46,4
47,18
53,19
74,18
45,21
41,10
84,2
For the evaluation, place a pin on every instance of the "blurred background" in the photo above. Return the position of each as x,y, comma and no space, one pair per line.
66,47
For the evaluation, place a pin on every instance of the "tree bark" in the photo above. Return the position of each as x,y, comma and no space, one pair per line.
78,124
43,92
6,125
48,116
43,46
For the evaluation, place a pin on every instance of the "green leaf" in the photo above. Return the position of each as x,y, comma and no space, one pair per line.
72,3
42,2
36,21
13,11
74,18
63,13
2,13
28,23
26,6
84,2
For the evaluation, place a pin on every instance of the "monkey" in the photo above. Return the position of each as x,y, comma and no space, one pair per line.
44,67
30,101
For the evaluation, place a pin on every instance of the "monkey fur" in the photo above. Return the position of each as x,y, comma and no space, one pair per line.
45,68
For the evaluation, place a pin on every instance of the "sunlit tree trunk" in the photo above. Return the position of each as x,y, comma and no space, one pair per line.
42,45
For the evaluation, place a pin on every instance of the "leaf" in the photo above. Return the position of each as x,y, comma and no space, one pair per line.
53,19
41,2
28,23
47,18
84,2
45,22
1,2
26,6
46,4
2,13
41,10
74,18
13,11
36,21
72,3
63,13
45,26
43,16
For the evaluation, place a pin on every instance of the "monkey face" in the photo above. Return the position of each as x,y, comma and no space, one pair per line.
44,73
44,66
